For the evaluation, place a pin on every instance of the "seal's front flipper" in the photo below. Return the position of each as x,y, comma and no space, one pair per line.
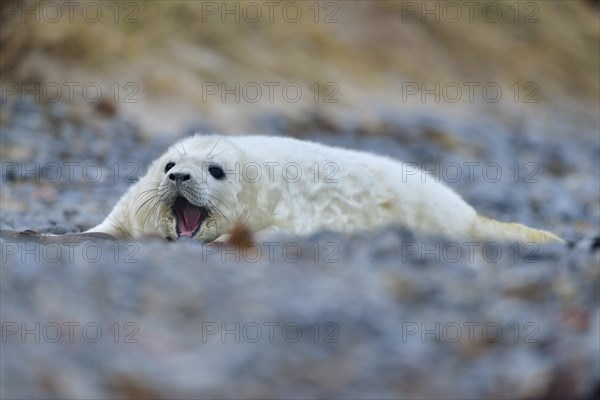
110,227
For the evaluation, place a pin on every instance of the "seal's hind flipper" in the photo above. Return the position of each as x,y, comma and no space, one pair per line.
490,229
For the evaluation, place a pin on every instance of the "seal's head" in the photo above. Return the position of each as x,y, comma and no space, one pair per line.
191,190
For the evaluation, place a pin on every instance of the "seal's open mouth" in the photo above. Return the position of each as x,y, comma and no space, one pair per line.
188,216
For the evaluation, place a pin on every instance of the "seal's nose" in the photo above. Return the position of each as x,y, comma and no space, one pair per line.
179,177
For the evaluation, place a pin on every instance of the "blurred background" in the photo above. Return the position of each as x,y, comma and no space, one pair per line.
352,61
498,99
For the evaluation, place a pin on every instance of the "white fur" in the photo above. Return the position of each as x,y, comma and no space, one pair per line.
338,189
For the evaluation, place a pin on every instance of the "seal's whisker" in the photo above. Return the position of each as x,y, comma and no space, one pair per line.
152,187
120,227
221,152
208,193
218,211
144,203
156,208
210,199
216,225
148,192
213,148
175,148
151,212
145,222
153,183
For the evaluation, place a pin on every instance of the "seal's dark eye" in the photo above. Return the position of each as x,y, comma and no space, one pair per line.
216,172
169,165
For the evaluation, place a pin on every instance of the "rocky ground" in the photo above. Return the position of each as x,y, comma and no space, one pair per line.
385,316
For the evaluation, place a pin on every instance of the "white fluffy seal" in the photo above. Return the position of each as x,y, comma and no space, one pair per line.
203,186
